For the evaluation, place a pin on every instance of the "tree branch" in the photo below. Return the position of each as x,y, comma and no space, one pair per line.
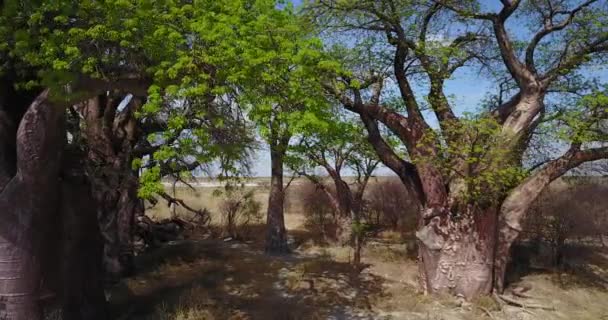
569,62
406,171
518,70
171,200
519,200
549,28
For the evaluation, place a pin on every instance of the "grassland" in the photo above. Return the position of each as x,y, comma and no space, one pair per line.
208,278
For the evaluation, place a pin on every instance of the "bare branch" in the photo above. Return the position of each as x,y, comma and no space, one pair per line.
171,200
549,28
406,171
575,59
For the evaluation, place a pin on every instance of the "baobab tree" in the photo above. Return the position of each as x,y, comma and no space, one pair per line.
40,174
52,48
31,161
467,172
165,120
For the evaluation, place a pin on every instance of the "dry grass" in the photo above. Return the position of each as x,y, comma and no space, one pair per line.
213,279
210,198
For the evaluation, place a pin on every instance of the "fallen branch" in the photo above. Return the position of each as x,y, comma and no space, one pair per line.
171,200
150,234
520,304
486,311
520,292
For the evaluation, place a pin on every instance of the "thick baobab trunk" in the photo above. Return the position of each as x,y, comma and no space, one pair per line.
457,253
81,289
28,200
116,196
276,236
467,253
110,136
19,269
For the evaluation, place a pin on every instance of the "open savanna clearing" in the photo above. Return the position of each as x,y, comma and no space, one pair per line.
208,277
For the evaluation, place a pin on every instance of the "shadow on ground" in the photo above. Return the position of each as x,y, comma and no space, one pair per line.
584,266
214,279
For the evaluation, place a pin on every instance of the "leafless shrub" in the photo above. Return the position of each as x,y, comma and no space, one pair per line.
318,211
239,209
389,205
573,211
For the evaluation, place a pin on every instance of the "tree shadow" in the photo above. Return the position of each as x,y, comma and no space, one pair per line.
233,280
255,236
584,265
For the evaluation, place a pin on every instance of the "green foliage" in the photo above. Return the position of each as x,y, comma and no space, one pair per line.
360,229
205,63
342,143
150,183
482,160
196,58
585,120
279,65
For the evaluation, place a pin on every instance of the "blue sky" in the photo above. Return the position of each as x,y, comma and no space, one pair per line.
466,86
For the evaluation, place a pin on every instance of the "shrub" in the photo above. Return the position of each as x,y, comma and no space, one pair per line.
239,209
388,204
571,210
320,217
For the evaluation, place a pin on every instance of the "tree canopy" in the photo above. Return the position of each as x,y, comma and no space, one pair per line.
200,77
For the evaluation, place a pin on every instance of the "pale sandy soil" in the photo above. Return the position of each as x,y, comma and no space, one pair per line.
207,278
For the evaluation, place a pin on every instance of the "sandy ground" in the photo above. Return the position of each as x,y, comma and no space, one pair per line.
205,278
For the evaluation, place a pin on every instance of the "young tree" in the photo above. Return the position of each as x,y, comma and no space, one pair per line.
468,172
341,146
281,95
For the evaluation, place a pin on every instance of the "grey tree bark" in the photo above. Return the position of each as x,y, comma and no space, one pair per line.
276,235
110,136
28,198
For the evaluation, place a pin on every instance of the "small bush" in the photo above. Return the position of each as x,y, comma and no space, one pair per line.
238,210
389,205
320,217
566,213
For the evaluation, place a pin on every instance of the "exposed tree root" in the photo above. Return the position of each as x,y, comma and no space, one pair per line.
520,292
520,304
486,311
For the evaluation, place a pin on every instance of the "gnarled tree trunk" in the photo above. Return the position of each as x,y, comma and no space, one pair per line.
457,253
111,135
116,195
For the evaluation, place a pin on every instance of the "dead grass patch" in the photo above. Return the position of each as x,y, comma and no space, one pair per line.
213,280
